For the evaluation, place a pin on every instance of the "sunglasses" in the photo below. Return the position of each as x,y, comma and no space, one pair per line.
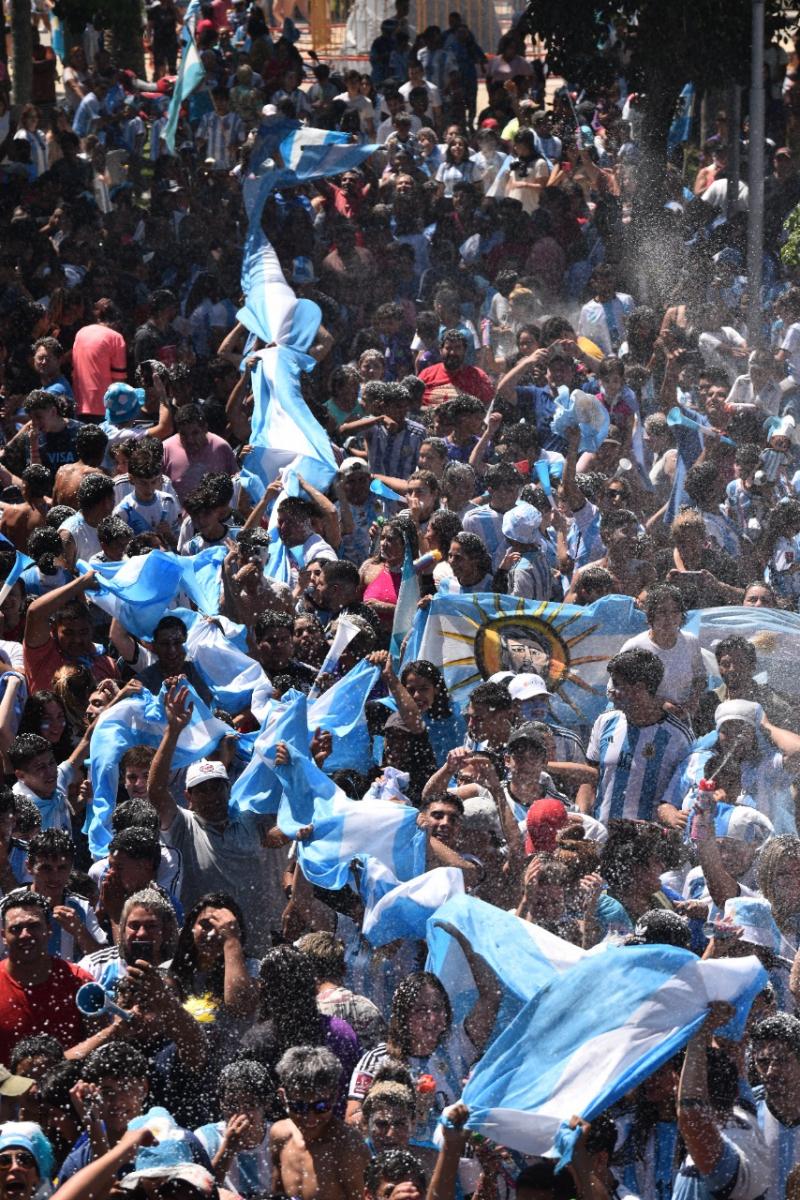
309,1106
22,1158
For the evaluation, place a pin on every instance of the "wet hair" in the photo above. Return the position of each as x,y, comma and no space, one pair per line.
113,529
638,666
37,480
394,1166
93,489
38,1045
772,858
184,962
657,594
326,953
442,704
50,843
24,899
44,546
309,1070
398,1040
90,445
158,904
630,845
138,843
135,813
245,1076
736,645
475,549
781,1028
25,747
271,618
494,696
119,1060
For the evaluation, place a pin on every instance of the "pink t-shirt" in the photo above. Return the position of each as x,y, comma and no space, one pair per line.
98,360
186,474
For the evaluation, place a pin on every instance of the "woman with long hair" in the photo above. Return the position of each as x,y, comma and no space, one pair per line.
423,1035
44,713
424,684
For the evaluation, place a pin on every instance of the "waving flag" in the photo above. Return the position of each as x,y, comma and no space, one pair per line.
346,631
285,434
191,74
344,829
138,720
523,956
137,590
218,649
406,607
681,127
592,1034
201,578
315,153
395,910
774,633
271,310
340,712
471,637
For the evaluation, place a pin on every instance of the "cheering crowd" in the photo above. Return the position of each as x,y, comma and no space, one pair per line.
235,790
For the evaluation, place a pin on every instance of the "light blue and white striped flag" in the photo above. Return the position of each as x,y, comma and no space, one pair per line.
592,1034
218,648
201,578
340,712
21,563
315,153
350,829
191,74
136,591
138,720
522,955
395,910
406,607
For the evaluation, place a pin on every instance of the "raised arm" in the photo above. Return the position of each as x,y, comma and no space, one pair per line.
94,1182
480,1019
178,708
37,622
697,1121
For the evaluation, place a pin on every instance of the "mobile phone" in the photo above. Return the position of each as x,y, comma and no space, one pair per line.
146,368
141,950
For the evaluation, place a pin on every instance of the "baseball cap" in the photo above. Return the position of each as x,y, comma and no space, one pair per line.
353,464
203,771
14,1085
545,818
503,677
526,686
738,710
123,403
524,733
783,152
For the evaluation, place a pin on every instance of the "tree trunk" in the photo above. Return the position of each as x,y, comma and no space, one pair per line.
21,50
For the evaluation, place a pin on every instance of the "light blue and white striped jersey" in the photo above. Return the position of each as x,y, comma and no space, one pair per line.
783,1148
635,764
142,517
487,524
157,147
530,578
222,137
723,532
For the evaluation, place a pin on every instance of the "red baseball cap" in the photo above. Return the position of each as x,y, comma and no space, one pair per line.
545,818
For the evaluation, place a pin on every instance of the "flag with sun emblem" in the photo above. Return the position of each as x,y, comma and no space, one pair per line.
470,637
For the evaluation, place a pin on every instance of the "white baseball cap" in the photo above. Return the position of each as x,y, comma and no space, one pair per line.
204,770
526,686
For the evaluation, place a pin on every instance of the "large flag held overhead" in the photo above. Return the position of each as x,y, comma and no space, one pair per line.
522,955
774,633
592,1034
472,636
138,720
218,648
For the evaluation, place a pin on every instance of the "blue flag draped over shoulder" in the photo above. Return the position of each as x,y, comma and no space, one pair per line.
138,720
592,1034
471,636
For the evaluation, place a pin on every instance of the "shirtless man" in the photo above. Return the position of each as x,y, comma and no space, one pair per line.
90,445
18,521
315,1156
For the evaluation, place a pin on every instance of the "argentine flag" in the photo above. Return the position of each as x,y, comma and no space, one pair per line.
315,153
406,607
395,910
340,712
523,956
345,829
21,563
592,1034
138,720
218,649
137,591
191,74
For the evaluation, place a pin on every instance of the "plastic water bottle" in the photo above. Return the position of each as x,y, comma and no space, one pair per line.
702,804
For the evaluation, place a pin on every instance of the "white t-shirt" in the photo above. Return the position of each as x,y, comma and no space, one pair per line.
683,662
791,344
362,105
434,95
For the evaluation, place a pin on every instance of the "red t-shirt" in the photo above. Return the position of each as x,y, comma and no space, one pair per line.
441,385
47,1007
42,662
